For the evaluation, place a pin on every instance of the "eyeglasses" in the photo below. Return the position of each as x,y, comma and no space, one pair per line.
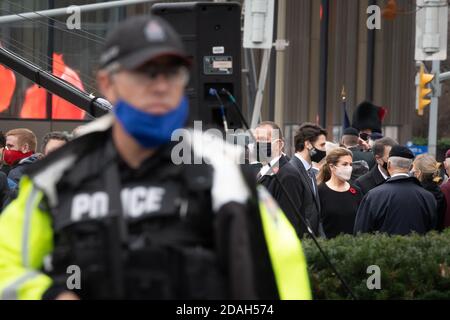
148,75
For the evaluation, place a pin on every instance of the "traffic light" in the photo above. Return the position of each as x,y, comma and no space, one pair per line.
423,90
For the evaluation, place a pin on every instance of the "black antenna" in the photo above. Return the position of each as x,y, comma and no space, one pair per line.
88,102
233,101
213,92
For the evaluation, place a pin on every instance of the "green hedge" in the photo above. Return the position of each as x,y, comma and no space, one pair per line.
413,267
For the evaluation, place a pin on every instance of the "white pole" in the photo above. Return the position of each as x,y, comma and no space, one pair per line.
261,86
64,11
280,73
434,111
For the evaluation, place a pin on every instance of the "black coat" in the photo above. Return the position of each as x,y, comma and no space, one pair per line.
367,156
440,201
296,181
370,180
268,180
398,207
4,190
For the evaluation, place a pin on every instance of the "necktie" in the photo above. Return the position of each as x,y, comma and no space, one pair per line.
313,179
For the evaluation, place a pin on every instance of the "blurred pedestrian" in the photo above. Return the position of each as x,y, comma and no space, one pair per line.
269,151
445,187
379,174
374,137
299,178
3,166
19,153
351,140
54,140
401,205
339,200
329,146
427,170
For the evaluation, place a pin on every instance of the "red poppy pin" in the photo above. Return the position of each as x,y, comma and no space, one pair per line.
352,190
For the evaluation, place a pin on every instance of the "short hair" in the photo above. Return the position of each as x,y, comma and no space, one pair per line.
307,132
350,140
55,135
24,136
401,163
274,127
330,146
381,144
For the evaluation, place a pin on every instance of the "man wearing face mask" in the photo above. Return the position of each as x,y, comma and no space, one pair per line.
362,160
19,153
269,151
115,203
378,174
400,206
299,178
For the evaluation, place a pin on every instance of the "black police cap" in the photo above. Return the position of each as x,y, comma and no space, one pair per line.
139,40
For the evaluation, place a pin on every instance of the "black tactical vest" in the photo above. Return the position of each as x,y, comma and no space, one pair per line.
158,245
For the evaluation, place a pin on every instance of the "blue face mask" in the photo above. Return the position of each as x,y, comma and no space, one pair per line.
150,130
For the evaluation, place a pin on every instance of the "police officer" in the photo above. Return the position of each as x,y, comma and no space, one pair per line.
114,214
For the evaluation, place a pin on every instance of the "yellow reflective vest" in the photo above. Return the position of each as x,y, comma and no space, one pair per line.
26,239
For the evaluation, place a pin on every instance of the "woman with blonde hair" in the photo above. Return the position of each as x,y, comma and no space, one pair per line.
338,198
427,170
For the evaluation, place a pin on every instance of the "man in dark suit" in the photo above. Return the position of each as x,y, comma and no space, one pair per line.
379,174
299,179
400,206
269,152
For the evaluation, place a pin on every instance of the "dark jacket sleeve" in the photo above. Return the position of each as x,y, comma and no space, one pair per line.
364,222
4,190
16,173
441,209
359,185
295,189
243,254
242,249
363,183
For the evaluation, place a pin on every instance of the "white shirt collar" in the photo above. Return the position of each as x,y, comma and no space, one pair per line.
306,164
266,168
382,173
400,175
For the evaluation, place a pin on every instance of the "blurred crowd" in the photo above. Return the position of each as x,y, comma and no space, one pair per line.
18,150
363,183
